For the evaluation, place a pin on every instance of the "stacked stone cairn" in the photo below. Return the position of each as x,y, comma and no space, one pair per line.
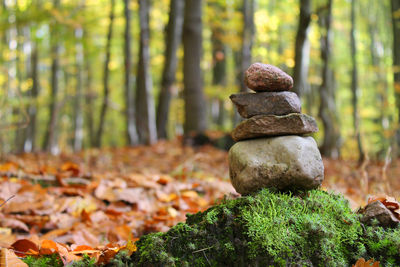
272,150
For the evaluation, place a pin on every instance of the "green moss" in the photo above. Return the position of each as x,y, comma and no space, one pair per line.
44,261
313,228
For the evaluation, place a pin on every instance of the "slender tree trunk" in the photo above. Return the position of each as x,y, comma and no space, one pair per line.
327,111
247,40
145,119
396,60
195,105
380,82
131,131
50,140
244,57
302,49
354,84
172,39
89,93
30,144
78,131
219,61
106,78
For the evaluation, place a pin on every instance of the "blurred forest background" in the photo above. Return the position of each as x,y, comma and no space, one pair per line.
89,73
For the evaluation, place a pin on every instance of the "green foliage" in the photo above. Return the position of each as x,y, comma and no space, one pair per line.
313,228
86,261
44,261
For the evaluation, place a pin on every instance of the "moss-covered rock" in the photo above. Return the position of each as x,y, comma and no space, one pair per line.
313,228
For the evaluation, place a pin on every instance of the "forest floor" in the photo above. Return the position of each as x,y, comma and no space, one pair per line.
98,197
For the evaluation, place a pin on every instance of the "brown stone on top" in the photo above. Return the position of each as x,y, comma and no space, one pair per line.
264,77
266,103
271,125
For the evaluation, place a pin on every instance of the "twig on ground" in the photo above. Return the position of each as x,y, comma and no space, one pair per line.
2,204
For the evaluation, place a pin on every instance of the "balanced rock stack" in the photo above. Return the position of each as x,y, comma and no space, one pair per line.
271,149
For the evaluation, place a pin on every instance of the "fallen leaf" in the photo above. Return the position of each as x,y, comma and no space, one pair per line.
9,259
21,247
48,247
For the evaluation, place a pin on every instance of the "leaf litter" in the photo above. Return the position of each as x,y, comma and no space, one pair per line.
100,201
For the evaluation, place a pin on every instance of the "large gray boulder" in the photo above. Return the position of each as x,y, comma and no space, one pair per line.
266,103
271,125
285,162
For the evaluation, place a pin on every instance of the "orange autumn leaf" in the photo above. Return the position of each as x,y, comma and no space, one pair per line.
82,247
48,247
70,167
370,263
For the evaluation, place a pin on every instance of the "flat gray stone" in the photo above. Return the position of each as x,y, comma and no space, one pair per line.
376,210
285,162
266,103
271,125
264,77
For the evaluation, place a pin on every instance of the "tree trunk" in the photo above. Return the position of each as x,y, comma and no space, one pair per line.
78,131
131,131
106,78
354,84
30,144
172,40
219,61
380,80
89,93
244,57
195,105
247,40
302,49
50,140
145,120
327,110
396,60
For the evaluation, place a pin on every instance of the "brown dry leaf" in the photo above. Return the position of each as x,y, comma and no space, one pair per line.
71,167
22,247
370,263
84,237
9,259
14,224
391,203
66,255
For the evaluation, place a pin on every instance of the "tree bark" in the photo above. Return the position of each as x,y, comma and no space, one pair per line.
247,40
354,84
30,144
219,61
50,140
244,57
89,93
78,121
106,77
395,4
145,120
195,105
172,40
131,131
327,110
302,49
380,81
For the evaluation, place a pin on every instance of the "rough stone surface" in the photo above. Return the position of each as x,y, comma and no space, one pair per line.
271,125
264,77
376,210
266,103
285,162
